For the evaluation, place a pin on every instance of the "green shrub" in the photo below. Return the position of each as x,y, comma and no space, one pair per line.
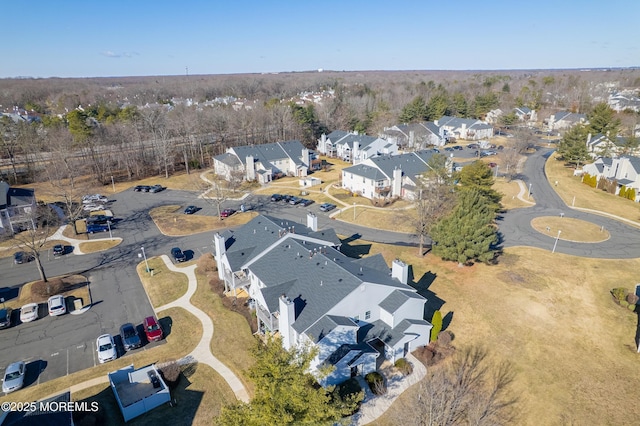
348,395
631,194
436,321
631,307
404,366
624,303
376,383
619,293
623,192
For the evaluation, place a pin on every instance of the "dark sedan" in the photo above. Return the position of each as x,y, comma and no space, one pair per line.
190,210
178,255
130,338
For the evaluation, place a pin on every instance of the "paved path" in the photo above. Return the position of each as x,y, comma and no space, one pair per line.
202,352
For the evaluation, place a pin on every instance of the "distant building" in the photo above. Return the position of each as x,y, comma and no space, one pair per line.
415,136
354,147
565,120
263,162
464,128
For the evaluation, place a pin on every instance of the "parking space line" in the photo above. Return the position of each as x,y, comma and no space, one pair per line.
55,354
93,351
67,362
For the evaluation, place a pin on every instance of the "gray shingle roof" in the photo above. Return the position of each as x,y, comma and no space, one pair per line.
326,325
366,172
390,336
269,152
228,159
412,164
398,298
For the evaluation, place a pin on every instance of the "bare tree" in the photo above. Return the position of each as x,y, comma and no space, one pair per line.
37,223
471,390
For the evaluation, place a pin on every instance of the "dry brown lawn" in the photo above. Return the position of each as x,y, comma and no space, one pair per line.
398,221
572,348
232,337
171,221
95,246
510,191
570,229
162,285
73,289
585,196
200,395
185,332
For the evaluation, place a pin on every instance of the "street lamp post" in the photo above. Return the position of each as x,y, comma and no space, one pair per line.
529,194
109,226
354,211
556,243
113,184
145,259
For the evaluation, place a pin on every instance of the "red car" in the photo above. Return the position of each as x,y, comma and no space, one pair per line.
227,212
152,329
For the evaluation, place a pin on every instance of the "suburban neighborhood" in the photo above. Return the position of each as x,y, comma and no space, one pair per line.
307,248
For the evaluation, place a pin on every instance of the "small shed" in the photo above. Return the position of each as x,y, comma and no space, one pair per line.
138,391
310,181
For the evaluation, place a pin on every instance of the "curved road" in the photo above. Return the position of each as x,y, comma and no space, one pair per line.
516,230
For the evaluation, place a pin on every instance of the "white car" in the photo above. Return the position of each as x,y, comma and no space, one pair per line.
92,207
29,312
106,348
57,305
13,377
95,198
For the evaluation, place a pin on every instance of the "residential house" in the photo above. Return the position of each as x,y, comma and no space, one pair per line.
355,312
415,135
16,208
387,176
263,162
354,147
601,145
624,101
493,116
565,120
464,128
526,114
138,391
625,171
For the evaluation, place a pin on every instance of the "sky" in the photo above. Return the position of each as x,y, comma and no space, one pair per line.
72,38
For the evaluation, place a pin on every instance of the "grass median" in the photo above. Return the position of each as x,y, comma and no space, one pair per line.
171,221
162,285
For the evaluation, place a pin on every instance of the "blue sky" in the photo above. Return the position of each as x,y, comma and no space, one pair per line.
73,38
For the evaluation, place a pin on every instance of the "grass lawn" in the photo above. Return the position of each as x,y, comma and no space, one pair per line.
586,196
572,348
571,229
95,246
200,395
74,287
164,286
173,222
183,332
510,191
232,337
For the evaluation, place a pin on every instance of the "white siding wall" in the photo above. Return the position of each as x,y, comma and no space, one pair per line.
355,183
365,298
412,309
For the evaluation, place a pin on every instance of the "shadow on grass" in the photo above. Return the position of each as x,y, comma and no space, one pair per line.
434,303
181,411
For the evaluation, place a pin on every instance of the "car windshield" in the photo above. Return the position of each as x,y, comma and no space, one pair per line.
28,309
105,347
56,306
153,327
12,375
128,332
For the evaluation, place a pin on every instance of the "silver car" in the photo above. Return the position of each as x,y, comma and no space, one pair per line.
13,377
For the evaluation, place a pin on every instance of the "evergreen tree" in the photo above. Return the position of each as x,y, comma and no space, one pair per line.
285,392
573,146
459,106
479,177
485,103
437,106
414,111
468,233
603,120
436,321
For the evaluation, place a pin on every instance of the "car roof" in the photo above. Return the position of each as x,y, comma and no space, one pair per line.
13,366
105,337
127,325
150,319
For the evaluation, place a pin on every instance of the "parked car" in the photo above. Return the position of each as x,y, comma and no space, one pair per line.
130,338
57,305
29,312
94,198
97,227
286,197
106,348
190,210
5,317
152,329
448,149
93,207
156,188
141,188
458,148
306,202
178,255
436,150
325,207
473,146
58,250
21,257
295,200
14,377
227,212
487,153
276,197
99,219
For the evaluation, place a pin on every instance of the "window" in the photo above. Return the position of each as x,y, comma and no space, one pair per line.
356,318
367,315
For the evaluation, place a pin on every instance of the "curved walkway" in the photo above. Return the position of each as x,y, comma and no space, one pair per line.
202,352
